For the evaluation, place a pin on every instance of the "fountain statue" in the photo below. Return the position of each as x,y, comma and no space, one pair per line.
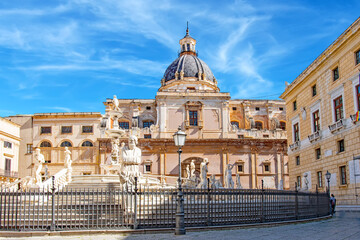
67,163
229,183
40,160
238,183
130,161
203,174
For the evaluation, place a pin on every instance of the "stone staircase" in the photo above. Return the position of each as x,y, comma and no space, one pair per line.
93,182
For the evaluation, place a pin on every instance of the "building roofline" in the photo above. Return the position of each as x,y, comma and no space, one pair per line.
8,121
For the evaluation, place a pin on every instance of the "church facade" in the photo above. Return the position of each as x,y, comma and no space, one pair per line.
248,134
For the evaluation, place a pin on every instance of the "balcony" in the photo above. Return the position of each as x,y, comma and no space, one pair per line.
353,118
295,146
315,136
337,126
9,174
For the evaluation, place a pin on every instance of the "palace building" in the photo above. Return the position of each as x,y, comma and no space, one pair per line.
322,104
249,134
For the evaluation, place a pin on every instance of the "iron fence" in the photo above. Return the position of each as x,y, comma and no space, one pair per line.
114,208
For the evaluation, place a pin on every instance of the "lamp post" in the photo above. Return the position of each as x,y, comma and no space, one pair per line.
328,176
179,139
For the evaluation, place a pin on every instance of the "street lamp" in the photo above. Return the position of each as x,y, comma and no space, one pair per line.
179,139
328,176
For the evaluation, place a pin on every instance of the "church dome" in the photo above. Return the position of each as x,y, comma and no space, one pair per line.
191,66
188,65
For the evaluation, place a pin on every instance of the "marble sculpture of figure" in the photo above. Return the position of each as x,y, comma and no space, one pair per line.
188,172
39,160
203,174
229,183
306,181
116,103
238,183
131,158
192,169
214,183
115,151
67,161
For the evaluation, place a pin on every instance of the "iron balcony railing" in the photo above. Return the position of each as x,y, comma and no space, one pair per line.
11,174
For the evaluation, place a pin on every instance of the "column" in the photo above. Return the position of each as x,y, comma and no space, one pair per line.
253,168
162,162
278,170
225,161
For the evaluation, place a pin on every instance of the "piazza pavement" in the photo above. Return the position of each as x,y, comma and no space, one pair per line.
343,225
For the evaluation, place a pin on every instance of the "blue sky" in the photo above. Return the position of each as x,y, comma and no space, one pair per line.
69,56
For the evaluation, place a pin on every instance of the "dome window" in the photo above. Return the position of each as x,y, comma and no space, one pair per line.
188,47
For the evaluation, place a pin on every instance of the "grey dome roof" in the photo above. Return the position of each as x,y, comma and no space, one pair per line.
191,65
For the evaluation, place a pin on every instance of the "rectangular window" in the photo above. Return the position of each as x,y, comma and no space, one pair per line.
148,108
66,129
296,132
124,125
7,166
266,167
357,88
7,144
241,136
45,130
318,153
294,105
87,129
319,178
29,148
357,57
336,73
240,168
193,117
338,107
147,135
147,124
234,108
298,180
297,159
281,109
314,90
257,109
147,168
342,175
341,145
316,121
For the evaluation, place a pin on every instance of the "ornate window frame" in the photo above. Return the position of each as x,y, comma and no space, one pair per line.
194,106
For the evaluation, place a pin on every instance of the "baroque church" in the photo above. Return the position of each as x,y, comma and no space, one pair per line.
248,134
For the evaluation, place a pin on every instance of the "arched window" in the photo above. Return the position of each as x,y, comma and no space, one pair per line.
235,123
66,144
45,144
87,144
258,125
147,123
283,125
